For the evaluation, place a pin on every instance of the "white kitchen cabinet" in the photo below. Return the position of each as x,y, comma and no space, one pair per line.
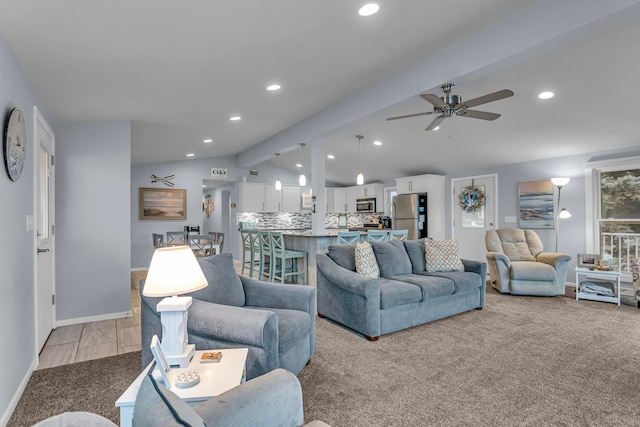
419,183
340,200
433,185
290,199
251,197
330,202
272,199
352,196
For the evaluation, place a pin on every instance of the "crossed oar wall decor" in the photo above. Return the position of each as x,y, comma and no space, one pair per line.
166,180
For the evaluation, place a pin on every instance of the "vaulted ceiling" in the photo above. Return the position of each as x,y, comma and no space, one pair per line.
180,71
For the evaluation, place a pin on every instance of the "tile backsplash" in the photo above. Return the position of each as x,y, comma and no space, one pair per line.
297,221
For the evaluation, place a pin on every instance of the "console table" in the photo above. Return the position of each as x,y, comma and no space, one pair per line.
614,276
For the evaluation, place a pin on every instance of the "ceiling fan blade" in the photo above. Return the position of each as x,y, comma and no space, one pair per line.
475,114
501,94
434,99
410,115
436,122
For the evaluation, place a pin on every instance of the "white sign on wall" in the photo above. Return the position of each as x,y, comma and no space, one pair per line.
219,173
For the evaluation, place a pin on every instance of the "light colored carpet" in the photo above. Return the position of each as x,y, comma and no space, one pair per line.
521,361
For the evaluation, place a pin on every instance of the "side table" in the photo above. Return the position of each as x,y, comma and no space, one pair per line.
598,274
215,379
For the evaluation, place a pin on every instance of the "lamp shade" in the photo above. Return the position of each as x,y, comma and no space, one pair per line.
173,271
559,182
564,214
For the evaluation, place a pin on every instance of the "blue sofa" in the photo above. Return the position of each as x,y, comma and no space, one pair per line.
275,322
404,295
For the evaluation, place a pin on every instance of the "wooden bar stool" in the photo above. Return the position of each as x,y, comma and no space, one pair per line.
398,234
348,237
249,238
377,236
280,255
266,256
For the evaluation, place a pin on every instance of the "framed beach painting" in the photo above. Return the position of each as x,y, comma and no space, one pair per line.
536,204
163,203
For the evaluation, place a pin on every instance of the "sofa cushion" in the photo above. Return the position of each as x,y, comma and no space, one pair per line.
431,286
415,250
225,286
462,280
366,261
157,406
292,325
394,293
343,255
526,270
392,258
515,243
442,255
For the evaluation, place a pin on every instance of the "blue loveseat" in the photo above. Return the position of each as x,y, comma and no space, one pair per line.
404,295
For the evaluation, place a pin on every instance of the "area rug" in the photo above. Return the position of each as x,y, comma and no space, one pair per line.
91,386
521,361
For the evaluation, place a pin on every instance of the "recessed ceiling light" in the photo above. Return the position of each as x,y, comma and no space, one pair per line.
235,118
377,142
273,87
207,141
368,9
190,155
436,128
330,156
546,95
298,165
204,185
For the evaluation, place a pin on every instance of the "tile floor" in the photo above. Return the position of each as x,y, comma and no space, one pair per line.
77,343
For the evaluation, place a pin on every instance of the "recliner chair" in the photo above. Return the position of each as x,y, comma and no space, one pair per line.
518,265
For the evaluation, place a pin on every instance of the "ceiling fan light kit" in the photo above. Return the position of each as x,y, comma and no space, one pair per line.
449,104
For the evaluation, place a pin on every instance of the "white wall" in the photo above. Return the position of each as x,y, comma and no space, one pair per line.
93,248
17,254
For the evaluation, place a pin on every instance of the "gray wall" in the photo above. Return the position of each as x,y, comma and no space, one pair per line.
17,254
571,232
93,248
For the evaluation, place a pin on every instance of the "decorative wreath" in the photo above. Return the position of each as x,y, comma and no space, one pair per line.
471,199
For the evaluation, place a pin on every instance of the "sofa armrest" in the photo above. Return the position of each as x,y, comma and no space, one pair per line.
499,258
478,267
345,279
275,295
554,259
239,325
272,399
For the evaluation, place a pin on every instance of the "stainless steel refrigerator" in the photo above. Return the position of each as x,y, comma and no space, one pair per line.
409,212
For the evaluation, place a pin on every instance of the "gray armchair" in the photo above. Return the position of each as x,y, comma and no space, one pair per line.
518,265
275,322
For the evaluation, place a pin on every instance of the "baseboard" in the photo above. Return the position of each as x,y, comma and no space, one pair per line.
140,269
18,394
79,320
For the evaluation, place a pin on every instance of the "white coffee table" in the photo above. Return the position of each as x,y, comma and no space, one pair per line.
215,379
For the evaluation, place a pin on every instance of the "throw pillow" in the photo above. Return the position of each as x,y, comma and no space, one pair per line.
442,255
366,261
225,286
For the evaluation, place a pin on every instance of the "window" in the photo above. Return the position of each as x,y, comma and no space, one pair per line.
615,214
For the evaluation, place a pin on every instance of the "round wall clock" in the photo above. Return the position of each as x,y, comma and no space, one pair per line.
15,144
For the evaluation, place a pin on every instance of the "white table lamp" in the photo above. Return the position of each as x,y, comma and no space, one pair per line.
174,271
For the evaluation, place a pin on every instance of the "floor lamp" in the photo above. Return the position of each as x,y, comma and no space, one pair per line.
563,213
174,271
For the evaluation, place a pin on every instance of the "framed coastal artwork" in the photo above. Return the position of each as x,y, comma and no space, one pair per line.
536,204
163,203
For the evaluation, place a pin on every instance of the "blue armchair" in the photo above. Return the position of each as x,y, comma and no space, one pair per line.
275,322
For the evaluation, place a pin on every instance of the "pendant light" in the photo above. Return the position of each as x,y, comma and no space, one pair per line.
278,183
360,176
303,179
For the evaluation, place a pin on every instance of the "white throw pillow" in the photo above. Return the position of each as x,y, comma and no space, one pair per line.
442,255
366,263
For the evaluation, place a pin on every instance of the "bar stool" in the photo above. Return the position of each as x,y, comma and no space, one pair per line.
249,238
348,237
280,255
266,255
377,236
398,234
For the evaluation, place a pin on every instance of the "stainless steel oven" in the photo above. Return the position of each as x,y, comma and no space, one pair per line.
366,205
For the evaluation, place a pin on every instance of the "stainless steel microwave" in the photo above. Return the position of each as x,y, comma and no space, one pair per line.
366,205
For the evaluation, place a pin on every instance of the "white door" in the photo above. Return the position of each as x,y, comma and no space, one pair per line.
44,222
469,228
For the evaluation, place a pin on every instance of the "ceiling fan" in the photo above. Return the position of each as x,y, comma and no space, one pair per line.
449,104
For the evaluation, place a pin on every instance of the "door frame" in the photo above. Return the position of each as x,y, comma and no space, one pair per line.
454,199
38,119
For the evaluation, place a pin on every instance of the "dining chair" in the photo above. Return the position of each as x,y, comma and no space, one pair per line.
377,236
398,234
279,270
348,237
158,240
218,238
201,244
176,238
